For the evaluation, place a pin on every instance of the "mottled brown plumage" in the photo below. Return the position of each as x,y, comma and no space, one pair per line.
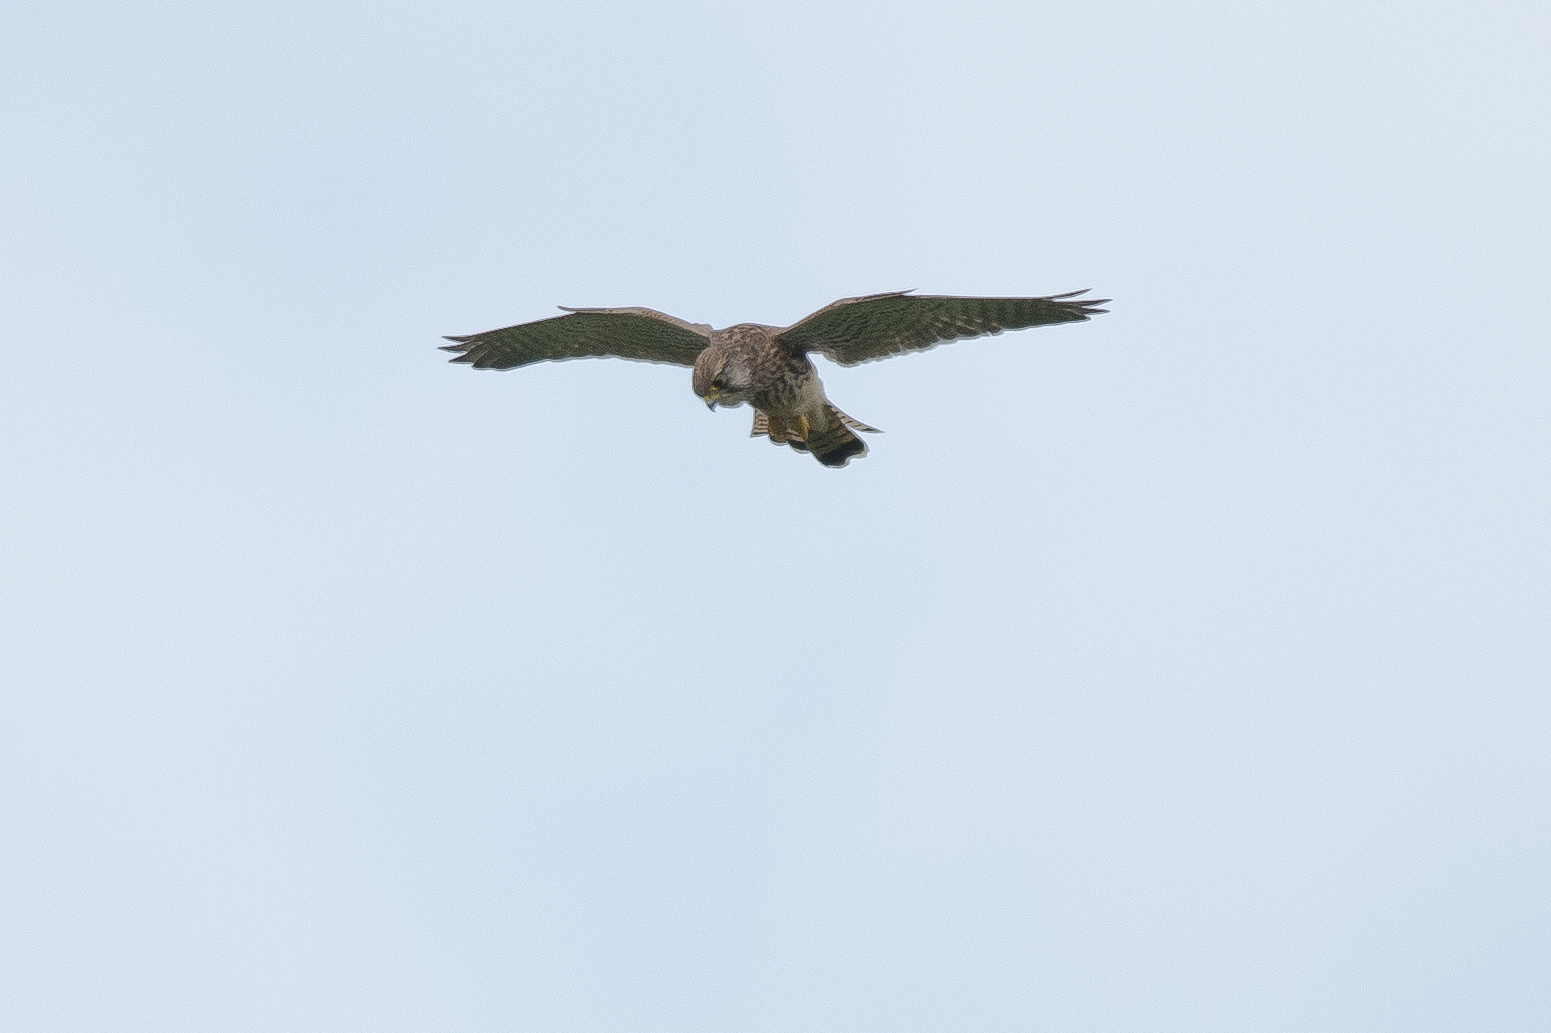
768,366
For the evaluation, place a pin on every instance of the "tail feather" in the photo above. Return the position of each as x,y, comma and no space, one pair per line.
853,422
837,445
834,446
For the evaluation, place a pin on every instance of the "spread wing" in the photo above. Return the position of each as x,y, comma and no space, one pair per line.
855,330
642,334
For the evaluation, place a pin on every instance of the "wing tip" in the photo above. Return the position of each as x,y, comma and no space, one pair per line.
461,347
1085,307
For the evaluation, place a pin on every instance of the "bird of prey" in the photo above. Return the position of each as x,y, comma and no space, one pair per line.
768,366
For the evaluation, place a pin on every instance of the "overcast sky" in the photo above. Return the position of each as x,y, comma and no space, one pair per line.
1182,670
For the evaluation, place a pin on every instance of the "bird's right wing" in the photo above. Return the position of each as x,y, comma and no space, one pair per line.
642,334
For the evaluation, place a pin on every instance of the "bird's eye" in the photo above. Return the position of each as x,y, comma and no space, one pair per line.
718,383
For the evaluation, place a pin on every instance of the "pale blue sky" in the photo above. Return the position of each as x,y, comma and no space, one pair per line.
1184,670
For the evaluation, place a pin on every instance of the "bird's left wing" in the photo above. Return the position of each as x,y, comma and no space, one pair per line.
855,330
642,334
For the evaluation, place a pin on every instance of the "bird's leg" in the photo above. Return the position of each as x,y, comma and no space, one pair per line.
777,428
801,429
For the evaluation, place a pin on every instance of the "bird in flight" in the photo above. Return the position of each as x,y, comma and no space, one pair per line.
768,366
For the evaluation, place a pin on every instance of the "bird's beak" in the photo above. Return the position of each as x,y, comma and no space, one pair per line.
710,400
710,405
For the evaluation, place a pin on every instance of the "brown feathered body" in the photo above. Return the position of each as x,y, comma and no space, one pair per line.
749,363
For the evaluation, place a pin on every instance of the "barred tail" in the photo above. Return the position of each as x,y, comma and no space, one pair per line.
837,445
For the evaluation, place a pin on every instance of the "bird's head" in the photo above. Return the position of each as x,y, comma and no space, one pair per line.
722,376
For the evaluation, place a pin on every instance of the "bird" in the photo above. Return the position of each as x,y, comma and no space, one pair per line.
769,367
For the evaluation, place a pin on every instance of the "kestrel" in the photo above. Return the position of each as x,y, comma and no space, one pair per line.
768,366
